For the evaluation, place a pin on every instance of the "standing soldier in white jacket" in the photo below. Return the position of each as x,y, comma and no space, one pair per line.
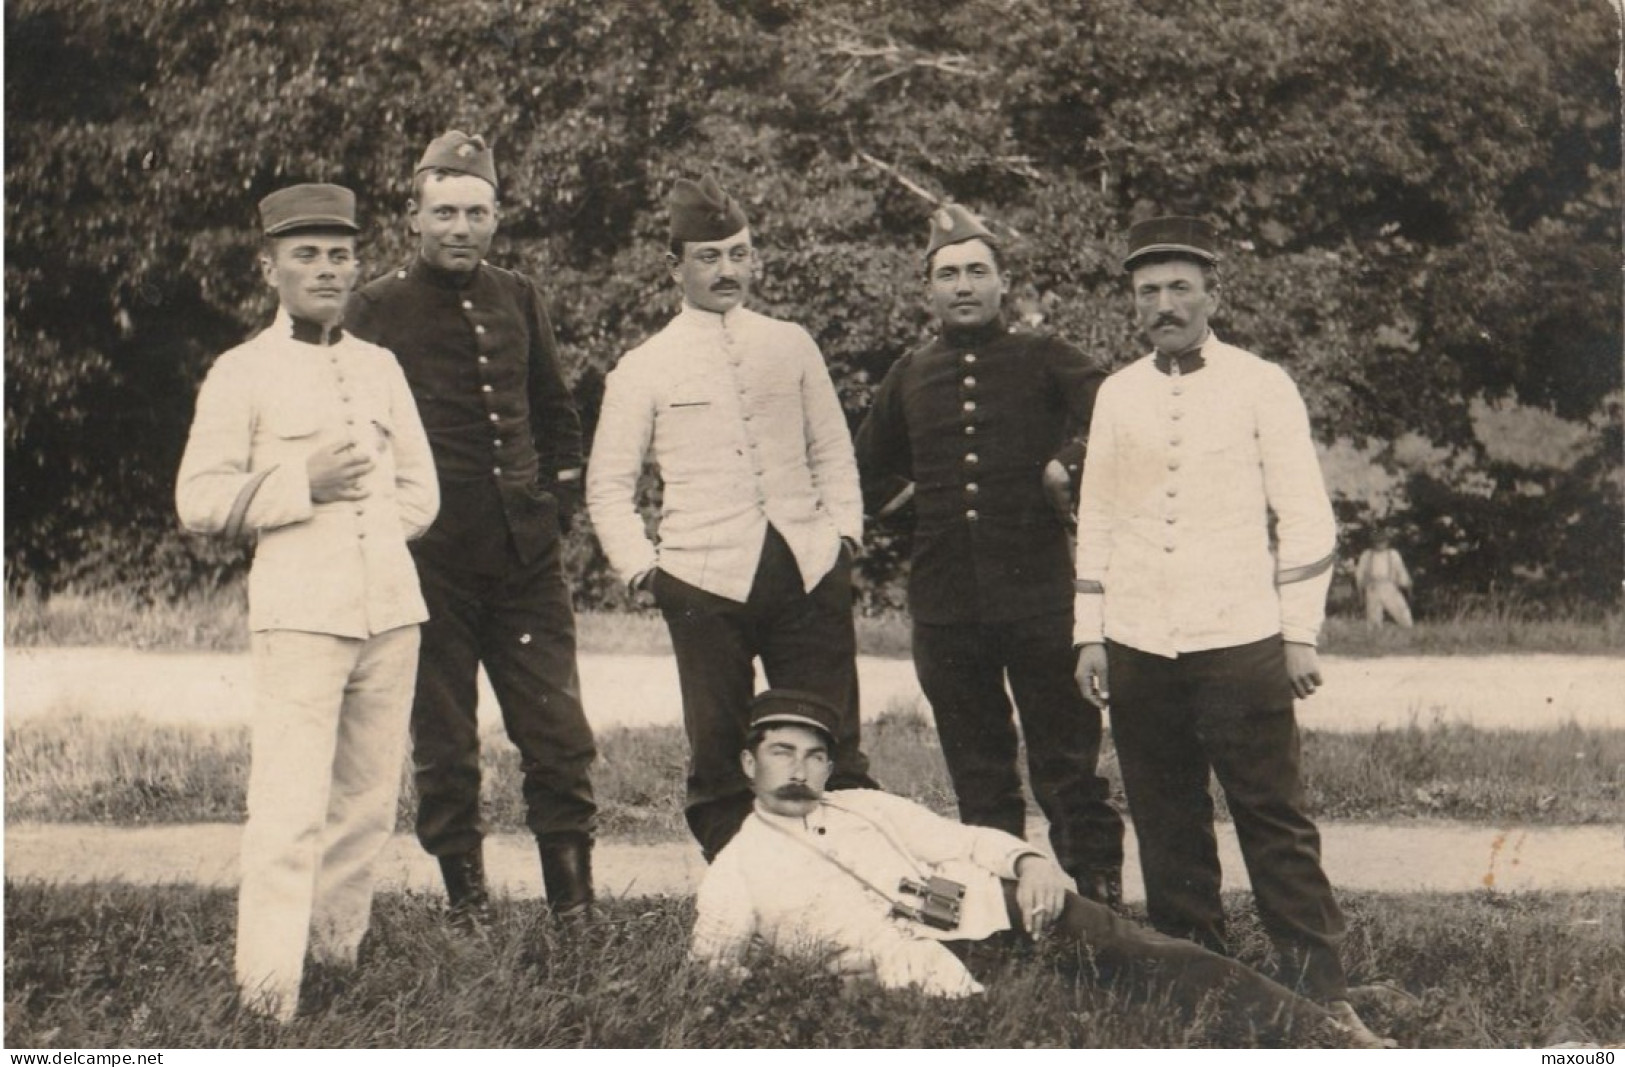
1204,628
310,438
760,513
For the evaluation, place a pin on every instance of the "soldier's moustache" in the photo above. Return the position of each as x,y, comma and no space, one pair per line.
795,791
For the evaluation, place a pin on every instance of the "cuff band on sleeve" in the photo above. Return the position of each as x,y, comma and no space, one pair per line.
1302,574
239,507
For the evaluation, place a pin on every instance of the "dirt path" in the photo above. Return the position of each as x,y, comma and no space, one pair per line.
1412,857
1493,692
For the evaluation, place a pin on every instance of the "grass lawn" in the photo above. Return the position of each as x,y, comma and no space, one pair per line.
130,772
109,966
218,623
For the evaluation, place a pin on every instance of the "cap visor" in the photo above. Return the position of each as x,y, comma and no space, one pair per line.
790,718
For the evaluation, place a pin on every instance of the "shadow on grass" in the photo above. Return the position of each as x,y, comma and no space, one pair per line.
127,771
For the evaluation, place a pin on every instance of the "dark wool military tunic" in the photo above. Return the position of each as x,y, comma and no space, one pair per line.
972,419
479,353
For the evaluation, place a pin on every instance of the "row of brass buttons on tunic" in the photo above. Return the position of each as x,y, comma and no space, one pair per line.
968,408
349,420
1175,412
486,388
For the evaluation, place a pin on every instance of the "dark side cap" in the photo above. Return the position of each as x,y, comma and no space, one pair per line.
1171,235
792,707
308,207
701,211
459,153
951,224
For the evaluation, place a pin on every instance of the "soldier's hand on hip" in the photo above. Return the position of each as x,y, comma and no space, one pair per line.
337,471
1303,668
1092,675
641,589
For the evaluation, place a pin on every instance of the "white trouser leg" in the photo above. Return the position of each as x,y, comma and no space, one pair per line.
1393,601
300,679
366,785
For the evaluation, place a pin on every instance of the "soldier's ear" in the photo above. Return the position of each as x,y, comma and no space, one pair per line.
267,265
747,763
412,217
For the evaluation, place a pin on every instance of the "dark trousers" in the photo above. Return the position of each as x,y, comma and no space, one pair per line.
1148,965
805,640
962,669
1228,710
518,624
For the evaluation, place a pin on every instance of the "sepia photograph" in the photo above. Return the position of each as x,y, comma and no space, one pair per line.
814,524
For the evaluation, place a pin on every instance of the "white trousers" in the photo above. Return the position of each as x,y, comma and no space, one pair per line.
1385,596
329,738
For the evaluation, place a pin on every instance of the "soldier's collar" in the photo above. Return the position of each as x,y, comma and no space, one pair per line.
710,319
422,270
975,336
1189,361
311,332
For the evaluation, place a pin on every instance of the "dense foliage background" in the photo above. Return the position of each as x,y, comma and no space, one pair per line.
1422,198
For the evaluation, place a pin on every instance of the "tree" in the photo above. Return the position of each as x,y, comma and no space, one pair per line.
1421,198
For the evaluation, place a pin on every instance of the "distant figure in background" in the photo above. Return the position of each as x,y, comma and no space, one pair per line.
310,437
1383,581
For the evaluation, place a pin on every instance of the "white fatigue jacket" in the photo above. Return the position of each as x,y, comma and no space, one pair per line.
739,412
1182,473
775,881
1382,567
340,568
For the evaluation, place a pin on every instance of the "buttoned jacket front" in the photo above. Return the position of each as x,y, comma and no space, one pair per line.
972,419
823,887
479,352
1183,473
739,413
338,568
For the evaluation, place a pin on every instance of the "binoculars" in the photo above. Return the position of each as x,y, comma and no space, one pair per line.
939,901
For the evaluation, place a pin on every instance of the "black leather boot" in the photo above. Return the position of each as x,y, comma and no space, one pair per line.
469,900
567,874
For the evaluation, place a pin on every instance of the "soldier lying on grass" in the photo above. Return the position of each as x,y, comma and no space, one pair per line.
880,887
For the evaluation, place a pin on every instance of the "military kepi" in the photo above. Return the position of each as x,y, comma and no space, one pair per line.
701,211
308,207
792,707
951,224
1171,235
459,153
